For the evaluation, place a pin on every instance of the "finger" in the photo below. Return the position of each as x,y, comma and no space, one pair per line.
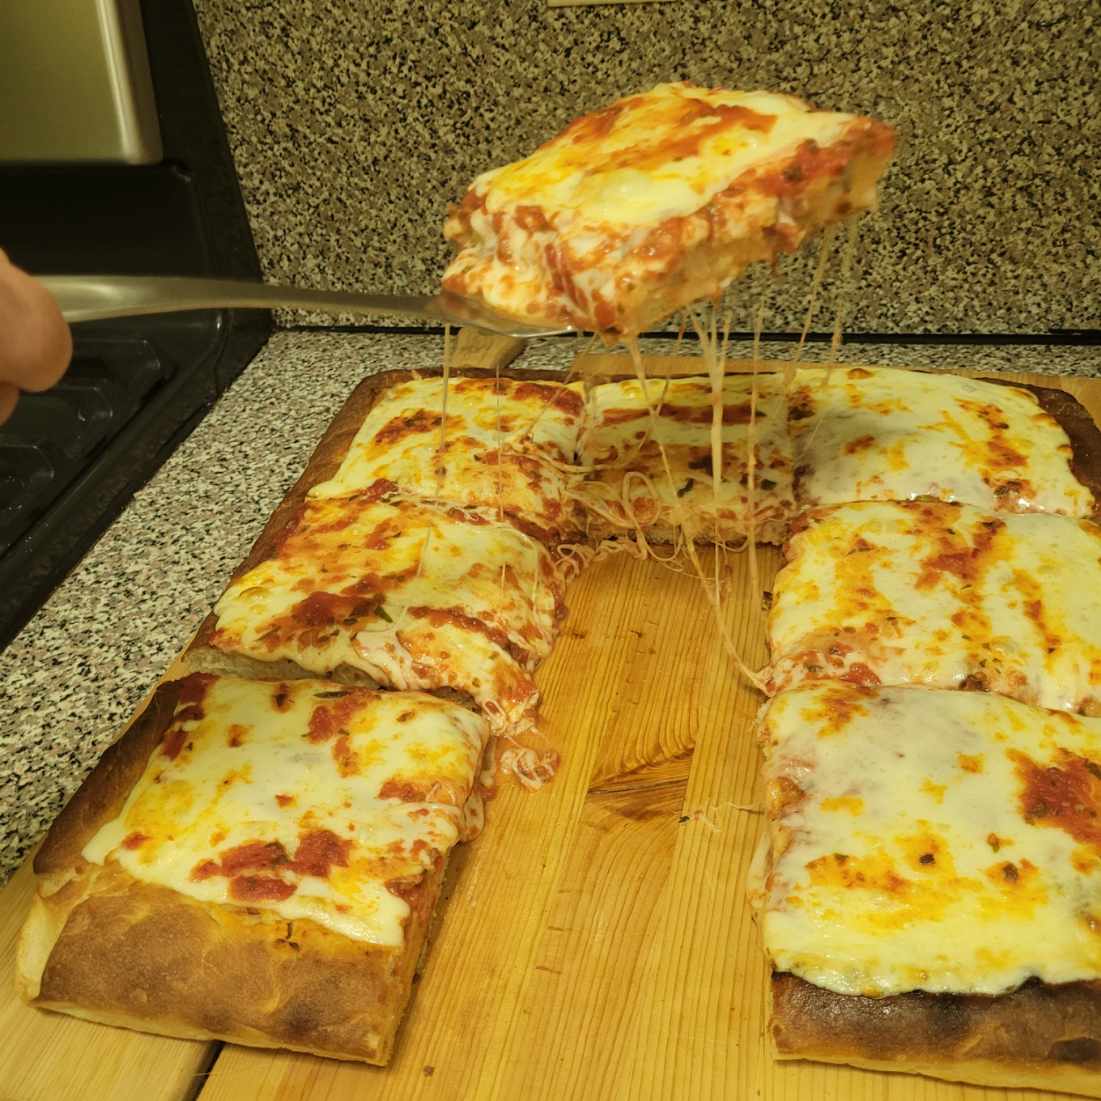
35,342
9,395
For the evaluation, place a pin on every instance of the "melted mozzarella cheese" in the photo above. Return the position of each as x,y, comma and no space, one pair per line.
867,433
930,840
943,595
414,596
618,443
258,763
504,445
663,154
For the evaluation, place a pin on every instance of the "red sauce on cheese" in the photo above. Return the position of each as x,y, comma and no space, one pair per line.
252,854
323,609
174,740
409,424
258,888
530,217
594,126
1066,794
379,488
347,763
569,401
134,840
329,719
205,869
318,851
193,688
439,616
694,121
955,556
859,673
281,697
861,443
405,790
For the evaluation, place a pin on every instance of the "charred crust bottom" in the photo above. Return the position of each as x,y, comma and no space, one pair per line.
1036,1025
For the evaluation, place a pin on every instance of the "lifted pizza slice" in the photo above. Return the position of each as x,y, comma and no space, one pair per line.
928,899
879,433
656,475
255,861
658,201
403,594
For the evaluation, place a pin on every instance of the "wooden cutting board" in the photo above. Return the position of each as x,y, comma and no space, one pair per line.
596,942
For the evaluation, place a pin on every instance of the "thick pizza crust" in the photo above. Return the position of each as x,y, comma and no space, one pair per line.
113,949
1040,1036
101,945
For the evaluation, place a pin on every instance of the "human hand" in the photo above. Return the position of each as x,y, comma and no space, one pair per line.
35,342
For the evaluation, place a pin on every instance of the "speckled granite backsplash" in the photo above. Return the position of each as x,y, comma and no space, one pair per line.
354,122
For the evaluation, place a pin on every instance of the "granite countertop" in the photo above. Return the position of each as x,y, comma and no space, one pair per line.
83,663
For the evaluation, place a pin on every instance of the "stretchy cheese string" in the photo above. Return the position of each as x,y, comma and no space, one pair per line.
499,478
443,405
572,559
825,247
706,331
751,453
620,512
689,535
567,378
847,254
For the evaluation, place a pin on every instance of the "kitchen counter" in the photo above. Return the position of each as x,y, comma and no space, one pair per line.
82,664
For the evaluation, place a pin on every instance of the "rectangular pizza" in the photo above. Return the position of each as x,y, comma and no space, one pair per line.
657,201
648,456
397,593
950,596
880,433
256,861
927,889
508,444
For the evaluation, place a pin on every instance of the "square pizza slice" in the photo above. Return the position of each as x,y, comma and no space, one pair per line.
927,889
509,444
255,861
920,592
397,593
655,474
880,433
658,201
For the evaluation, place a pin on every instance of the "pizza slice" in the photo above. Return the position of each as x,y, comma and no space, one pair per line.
656,474
879,433
658,201
508,444
927,892
255,861
396,593
921,592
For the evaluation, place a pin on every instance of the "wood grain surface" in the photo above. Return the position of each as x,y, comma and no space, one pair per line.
595,942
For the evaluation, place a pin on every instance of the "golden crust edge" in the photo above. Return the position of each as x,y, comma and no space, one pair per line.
51,912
